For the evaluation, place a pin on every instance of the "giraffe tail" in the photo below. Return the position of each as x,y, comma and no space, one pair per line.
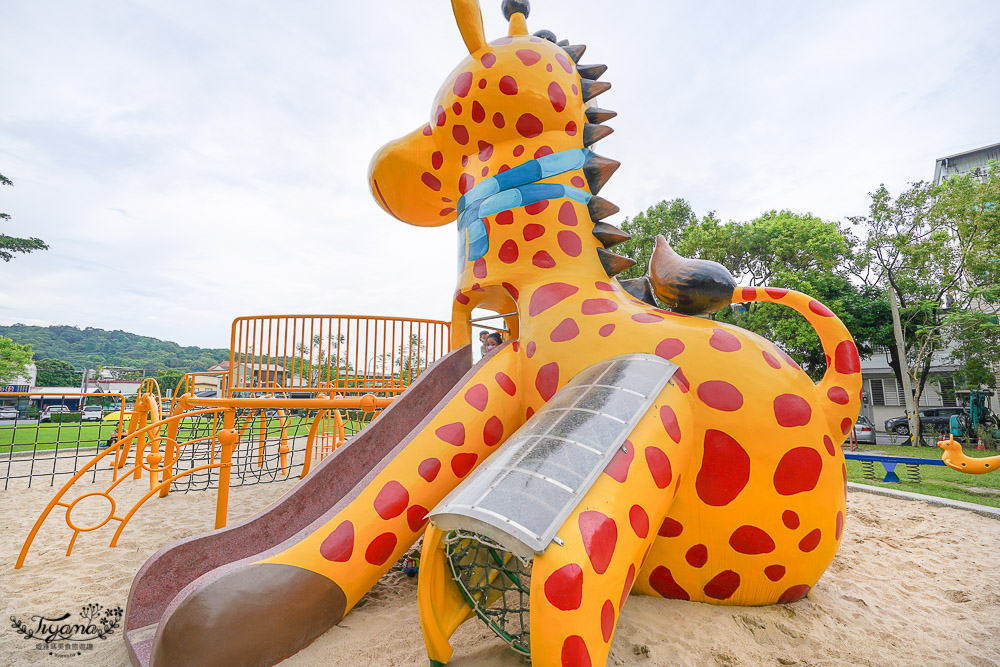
839,390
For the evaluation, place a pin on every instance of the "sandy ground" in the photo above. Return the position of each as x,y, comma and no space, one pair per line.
913,584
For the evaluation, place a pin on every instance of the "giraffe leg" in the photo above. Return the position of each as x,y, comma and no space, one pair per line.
578,589
261,610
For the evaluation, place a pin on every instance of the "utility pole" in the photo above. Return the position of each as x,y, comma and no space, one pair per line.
904,368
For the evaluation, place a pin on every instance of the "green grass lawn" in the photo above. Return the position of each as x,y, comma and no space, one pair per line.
940,481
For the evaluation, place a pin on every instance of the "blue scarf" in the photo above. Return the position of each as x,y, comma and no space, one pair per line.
513,188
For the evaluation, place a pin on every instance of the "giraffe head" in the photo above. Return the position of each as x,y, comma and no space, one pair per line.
509,101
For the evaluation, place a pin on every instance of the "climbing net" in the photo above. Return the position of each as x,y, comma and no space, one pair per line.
494,582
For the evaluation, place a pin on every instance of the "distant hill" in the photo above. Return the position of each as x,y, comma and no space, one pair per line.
90,348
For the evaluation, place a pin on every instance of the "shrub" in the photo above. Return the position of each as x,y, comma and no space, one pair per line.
65,417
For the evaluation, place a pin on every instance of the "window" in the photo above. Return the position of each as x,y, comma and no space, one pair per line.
875,389
947,385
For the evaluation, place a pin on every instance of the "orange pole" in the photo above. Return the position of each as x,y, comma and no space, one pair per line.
228,439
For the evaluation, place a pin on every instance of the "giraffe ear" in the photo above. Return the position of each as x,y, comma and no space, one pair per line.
470,22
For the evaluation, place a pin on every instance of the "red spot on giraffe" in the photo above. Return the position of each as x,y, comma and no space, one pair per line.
720,395
440,117
380,549
838,395
845,425
662,581
751,540
839,531
528,126
564,587
670,528
606,330
724,341
488,60
482,84
788,360
429,469
725,469
391,500
508,252
430,180
775,292
479,268
528,56
576,91
723,585
629,578
646,318
668,348
446,211
518,150
790,519
557,96
569,243
820,309
798,471
477,396
565,63
828,443
749,293
567,214
571,128
537,207
577,182
659,467
600,535
846,359
564,331
549,295
508,86
532,231
453,434
461,298
769,358
603,286
427,131
416,518
542,152
505,383
498,120
460,134
485,151
774,572
504,218
598,306
639,520
461,464
682,382
457,108
794,594
607,620
543,260
478,112
792,410
436,161
492,431
574,652
617,468
465,183
697,555
547,380
339,545
810,541
669,420
514,293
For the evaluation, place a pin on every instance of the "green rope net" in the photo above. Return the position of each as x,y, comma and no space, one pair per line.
494,582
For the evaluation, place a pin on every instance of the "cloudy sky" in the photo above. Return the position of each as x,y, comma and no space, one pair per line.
191,162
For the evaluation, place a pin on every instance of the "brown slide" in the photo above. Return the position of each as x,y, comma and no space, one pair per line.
332,484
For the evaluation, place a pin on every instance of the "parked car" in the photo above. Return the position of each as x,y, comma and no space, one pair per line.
8,412
49,410
864,431
92,413
934,420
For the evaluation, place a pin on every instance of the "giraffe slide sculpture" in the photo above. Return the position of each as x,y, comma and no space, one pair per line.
609,447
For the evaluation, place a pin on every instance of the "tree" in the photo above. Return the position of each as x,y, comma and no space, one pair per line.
14,359
938,249
57,373
11,244
167,380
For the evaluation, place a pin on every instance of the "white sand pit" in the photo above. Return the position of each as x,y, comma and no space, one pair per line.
913,584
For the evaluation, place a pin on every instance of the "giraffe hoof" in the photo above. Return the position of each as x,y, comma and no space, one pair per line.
255,615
